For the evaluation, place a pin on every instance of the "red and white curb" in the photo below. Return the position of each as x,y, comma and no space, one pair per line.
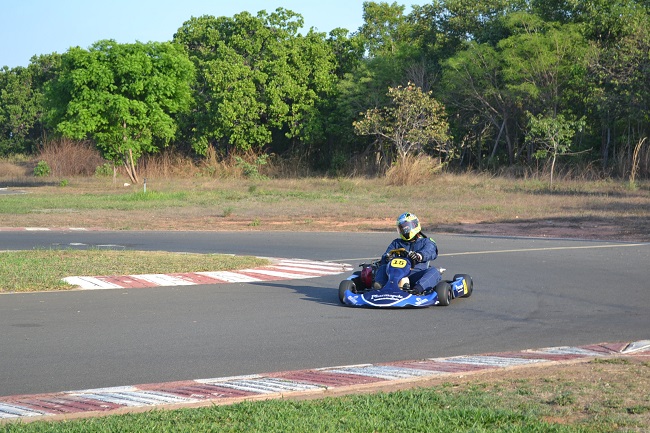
283,269
283,384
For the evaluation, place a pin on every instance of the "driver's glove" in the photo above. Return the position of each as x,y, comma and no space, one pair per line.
415,257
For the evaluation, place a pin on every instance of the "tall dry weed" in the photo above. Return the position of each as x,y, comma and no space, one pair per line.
541,171
291,167
636,159
633,161
71,158
166,165
172,164
413,170
12,170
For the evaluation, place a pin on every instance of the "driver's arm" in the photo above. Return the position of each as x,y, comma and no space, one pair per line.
428,250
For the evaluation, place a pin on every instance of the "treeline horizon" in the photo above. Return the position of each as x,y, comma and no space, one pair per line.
513,85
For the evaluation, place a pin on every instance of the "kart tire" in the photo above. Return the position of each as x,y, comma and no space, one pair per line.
443,290
343,287
470,284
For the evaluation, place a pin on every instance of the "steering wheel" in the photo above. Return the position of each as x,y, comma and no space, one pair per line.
398,252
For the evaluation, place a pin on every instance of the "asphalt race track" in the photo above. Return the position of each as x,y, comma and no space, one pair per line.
528,293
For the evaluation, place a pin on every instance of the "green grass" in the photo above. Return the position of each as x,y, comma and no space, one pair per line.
49,201
37,270
30,203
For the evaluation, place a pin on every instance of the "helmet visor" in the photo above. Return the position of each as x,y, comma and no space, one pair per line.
407,228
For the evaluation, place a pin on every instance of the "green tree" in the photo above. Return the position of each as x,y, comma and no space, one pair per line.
123,96
393,56
381,27
542,61
469,20
539,67
256,76
347,49
414,122
619,76
553,135
485,112
17,109
21,104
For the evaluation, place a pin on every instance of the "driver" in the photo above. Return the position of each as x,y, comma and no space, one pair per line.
421,249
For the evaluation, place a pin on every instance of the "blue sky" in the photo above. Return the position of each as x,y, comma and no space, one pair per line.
33,27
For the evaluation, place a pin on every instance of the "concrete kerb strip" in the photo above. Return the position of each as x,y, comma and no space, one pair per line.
637,346
300,384
279,269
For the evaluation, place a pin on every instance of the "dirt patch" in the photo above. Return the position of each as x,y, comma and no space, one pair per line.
620,229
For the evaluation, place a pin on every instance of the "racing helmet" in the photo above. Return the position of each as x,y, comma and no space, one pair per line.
408,226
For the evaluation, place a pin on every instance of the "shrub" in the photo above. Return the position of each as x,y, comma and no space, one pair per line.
42,169
104,170
413,170
251,170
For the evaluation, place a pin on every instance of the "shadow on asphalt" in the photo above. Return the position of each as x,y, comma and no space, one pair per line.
26,183
325,296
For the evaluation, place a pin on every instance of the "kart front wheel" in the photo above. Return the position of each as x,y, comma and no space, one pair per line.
343,287
443,290
470,284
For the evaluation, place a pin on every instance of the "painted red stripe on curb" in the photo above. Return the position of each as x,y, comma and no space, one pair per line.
260,276
607,349
304,271
198,278
127,281
72,404
53,406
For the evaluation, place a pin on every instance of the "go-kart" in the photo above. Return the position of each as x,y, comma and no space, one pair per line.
358,291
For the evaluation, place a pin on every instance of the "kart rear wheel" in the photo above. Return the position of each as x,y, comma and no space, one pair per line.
470,284
443,290
343,287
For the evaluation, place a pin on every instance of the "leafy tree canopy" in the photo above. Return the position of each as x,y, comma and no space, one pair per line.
414,121
257,75
123,96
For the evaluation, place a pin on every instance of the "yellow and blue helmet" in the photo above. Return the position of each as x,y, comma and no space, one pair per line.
408,226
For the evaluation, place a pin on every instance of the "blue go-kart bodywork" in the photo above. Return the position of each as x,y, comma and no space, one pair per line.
357,291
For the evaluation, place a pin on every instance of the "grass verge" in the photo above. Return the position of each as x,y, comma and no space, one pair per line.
447,202
39,270
600,396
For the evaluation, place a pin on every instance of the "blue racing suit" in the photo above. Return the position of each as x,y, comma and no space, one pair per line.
422,277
